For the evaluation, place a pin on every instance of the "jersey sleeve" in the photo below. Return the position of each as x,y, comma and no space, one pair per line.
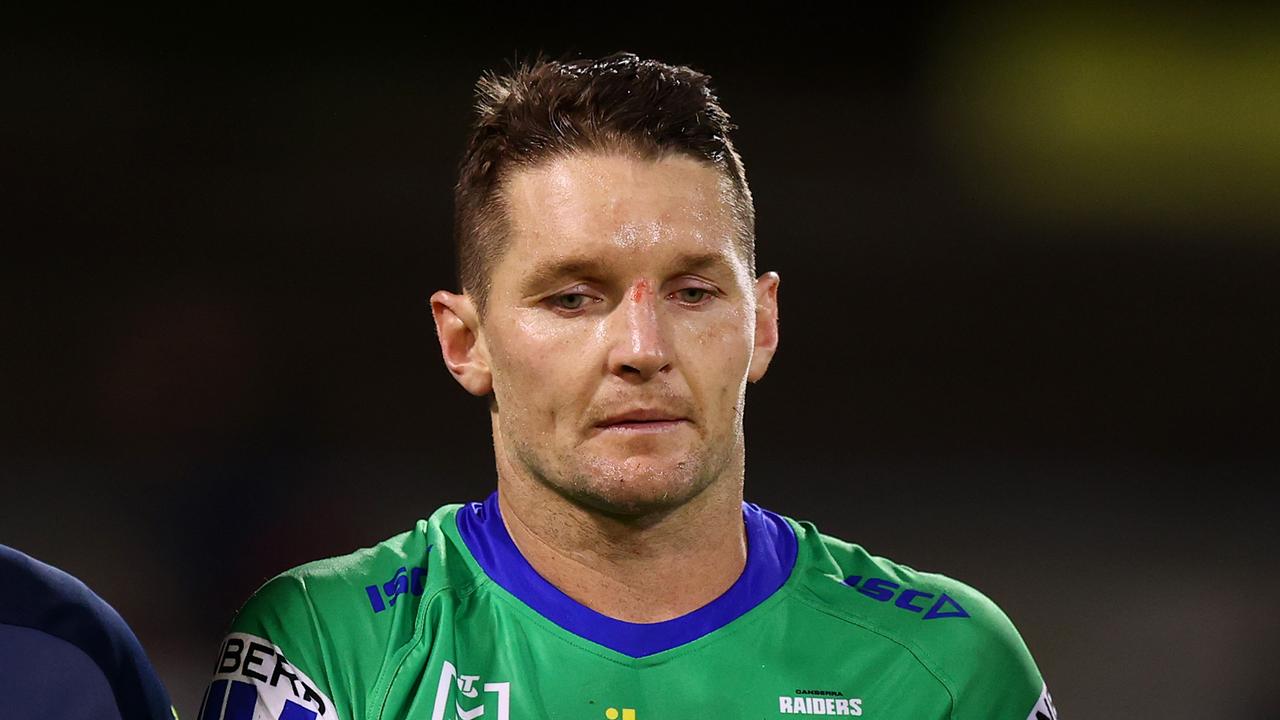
988,669
315,643
59,639
964,641
271,665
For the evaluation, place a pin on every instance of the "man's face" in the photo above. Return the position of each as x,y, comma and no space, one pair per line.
620,330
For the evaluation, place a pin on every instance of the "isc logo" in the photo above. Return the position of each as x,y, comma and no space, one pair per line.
403,582
909,600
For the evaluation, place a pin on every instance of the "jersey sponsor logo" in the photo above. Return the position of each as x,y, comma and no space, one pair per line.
624,714
819,702
253,680
908,600
403,582
1044,709
455,686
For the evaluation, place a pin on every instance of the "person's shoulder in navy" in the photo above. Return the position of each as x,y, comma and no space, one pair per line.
66,654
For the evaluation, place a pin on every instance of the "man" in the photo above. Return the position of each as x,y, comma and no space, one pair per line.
65,654
612,316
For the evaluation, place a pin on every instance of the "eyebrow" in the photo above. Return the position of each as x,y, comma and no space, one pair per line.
590,268
548,273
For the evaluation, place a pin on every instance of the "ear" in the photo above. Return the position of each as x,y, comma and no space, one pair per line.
766,341
465,354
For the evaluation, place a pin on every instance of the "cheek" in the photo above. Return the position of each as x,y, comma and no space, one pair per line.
536,365
716,357
727,333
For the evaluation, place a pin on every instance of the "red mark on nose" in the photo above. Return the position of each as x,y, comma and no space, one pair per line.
642,287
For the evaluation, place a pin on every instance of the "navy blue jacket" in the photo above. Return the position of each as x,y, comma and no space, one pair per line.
65,654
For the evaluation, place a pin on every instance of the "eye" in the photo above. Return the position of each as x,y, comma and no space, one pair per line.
570,301
692,295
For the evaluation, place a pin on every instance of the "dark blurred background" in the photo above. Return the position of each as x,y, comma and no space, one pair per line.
1030,306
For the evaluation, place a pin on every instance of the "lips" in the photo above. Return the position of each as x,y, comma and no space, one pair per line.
640,418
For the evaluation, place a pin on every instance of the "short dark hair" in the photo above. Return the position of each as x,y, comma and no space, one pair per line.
551,108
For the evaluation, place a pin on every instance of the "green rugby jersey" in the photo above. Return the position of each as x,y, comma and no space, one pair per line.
450,621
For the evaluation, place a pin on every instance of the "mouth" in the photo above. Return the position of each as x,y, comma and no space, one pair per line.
646,426
642,421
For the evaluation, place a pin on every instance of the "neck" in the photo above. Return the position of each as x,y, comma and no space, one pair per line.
635,569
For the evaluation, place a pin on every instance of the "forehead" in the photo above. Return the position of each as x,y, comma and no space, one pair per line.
619,205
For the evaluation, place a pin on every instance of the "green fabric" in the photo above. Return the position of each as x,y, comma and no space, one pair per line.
467,648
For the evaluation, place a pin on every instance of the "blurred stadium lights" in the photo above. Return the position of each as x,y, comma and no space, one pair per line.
1166,118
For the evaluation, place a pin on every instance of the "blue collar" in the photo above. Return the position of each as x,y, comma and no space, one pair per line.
771,554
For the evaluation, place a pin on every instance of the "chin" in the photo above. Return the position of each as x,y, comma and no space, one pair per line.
637,486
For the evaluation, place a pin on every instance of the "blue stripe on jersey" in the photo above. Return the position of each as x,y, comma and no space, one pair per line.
240,701
294,711
213,699
771,555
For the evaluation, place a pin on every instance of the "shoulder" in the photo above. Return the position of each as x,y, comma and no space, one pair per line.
363,607
53,625
956,632
383,581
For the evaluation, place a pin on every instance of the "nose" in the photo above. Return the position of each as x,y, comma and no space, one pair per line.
639,351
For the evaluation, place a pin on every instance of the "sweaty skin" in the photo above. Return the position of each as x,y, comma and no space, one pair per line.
622,290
